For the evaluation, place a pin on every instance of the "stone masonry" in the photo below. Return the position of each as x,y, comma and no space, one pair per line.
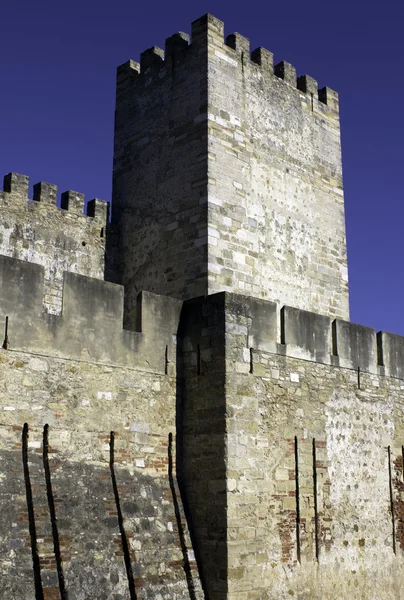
58,239
187,412
227,175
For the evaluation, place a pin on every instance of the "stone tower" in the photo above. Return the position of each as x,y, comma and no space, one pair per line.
227,175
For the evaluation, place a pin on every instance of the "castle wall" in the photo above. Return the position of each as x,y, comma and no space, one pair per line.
90,501
313,453
276,207
81,403
59,239
287,422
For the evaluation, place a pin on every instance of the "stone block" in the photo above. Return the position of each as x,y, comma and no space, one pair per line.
391,353
306,335
355,346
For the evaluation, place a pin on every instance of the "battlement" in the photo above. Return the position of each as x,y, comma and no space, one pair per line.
208,30
16,187
66,238
90,325
268,328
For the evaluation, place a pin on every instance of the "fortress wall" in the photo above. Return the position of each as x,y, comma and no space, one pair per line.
91,324
59,239
312,451
103,495
276,207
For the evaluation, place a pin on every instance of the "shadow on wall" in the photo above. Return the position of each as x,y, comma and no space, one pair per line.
104,512
200,441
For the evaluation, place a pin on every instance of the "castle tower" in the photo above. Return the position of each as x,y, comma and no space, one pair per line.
227,176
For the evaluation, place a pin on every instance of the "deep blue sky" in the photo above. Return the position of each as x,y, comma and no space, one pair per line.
57,77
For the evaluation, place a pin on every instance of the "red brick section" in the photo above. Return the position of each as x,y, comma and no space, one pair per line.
323,490
287,515
398,504
51,593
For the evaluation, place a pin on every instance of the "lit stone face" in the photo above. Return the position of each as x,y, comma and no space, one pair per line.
276,210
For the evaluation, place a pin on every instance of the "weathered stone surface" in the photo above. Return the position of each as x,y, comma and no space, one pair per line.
82,402
59,239
227,177
257,441
355,346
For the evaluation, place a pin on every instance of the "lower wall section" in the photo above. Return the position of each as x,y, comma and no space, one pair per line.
314,452
90,503
297,465
291,470
201,434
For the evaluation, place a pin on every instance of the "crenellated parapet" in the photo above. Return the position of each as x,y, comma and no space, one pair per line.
16,188
69,237
260,326
90,326
208,30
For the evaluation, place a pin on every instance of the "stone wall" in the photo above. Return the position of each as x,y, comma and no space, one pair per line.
312,453
59,239
89,496
106,520
160,173
201,431
276,206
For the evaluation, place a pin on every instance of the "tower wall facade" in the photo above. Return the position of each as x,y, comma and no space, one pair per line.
160,173
275,193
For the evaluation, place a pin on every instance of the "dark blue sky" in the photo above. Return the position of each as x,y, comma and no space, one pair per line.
58,64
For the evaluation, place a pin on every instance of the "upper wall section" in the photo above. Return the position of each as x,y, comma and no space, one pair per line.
59,239
259,327
91,324
227,175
